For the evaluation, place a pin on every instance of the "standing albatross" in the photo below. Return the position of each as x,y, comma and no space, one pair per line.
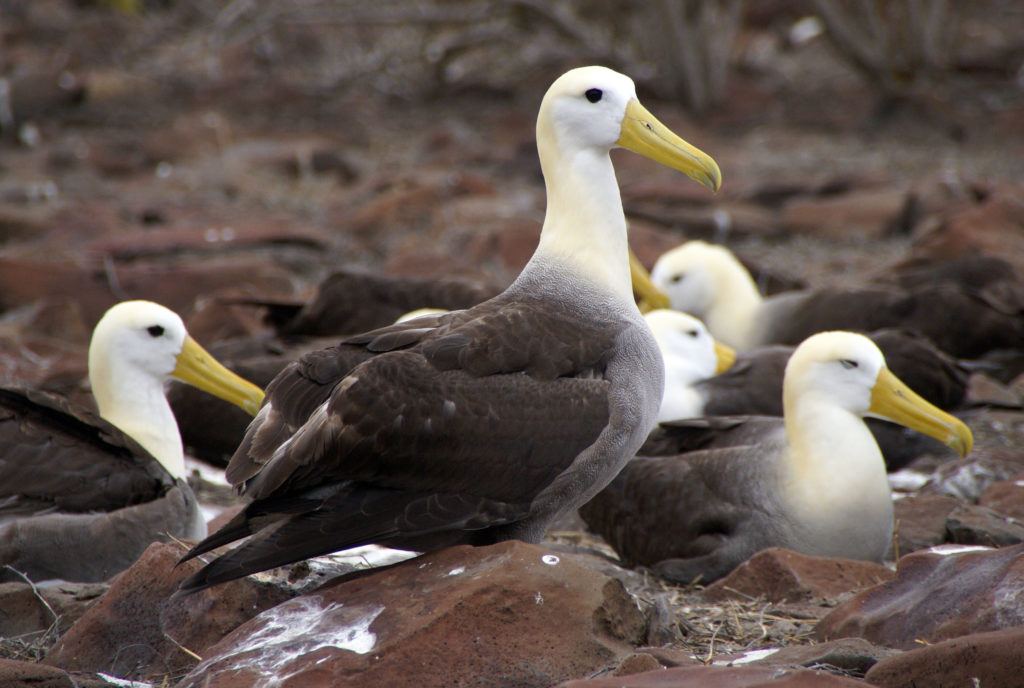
479,425
813,481
81,497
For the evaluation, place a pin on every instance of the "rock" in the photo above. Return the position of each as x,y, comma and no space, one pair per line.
921,521
95,287
715,223
720,677
214,238
18,223
937,594
510,614
24,611
995,226
851,656
637,663
968,478
782,575
981,659
868,213
136,631
983,390
215,318
16,674
1005,496
969,524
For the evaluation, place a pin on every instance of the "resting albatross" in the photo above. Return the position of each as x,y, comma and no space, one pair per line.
484,424
81,497
691,356
753,385
813,481
708,282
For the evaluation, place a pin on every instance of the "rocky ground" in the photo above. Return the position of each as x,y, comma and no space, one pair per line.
189,152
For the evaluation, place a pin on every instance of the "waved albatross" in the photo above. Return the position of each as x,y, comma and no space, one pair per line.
813,481
81,497
709,282
479,425
753,384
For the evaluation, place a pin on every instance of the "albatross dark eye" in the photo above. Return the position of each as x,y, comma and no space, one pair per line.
693,333
847,363
594,95
155,331
676,279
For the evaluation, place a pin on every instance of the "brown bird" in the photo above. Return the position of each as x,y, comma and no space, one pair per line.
813,481
483,424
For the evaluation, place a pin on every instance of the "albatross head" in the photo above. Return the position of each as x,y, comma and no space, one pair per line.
848,370
135,348
711,283
596,108
585,113
685,343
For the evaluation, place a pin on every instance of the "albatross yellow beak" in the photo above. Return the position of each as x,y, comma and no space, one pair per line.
725,355
893,400
649,297
642,133
199,369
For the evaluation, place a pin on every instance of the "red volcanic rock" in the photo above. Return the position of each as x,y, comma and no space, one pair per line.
16,674
921,521
782,575
872,213
213,238
854,656
95,286
508,614
721,677
981,659
968,478
936,595
216,318
23,611
969,524
996,226
1005,497
734,218
135,630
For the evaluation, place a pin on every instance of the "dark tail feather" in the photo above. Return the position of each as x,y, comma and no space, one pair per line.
263,514
344,516
302,537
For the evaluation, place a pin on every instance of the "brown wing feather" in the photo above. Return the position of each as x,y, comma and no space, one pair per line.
448,430
56,456
355,301
959,322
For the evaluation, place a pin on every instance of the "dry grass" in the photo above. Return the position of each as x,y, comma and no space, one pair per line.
682,618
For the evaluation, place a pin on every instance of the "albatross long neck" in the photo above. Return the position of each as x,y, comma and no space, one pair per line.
733,316
134,402
584,225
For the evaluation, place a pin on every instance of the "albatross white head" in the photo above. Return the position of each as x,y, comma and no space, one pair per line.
711,283
135,348
587,112
690,354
